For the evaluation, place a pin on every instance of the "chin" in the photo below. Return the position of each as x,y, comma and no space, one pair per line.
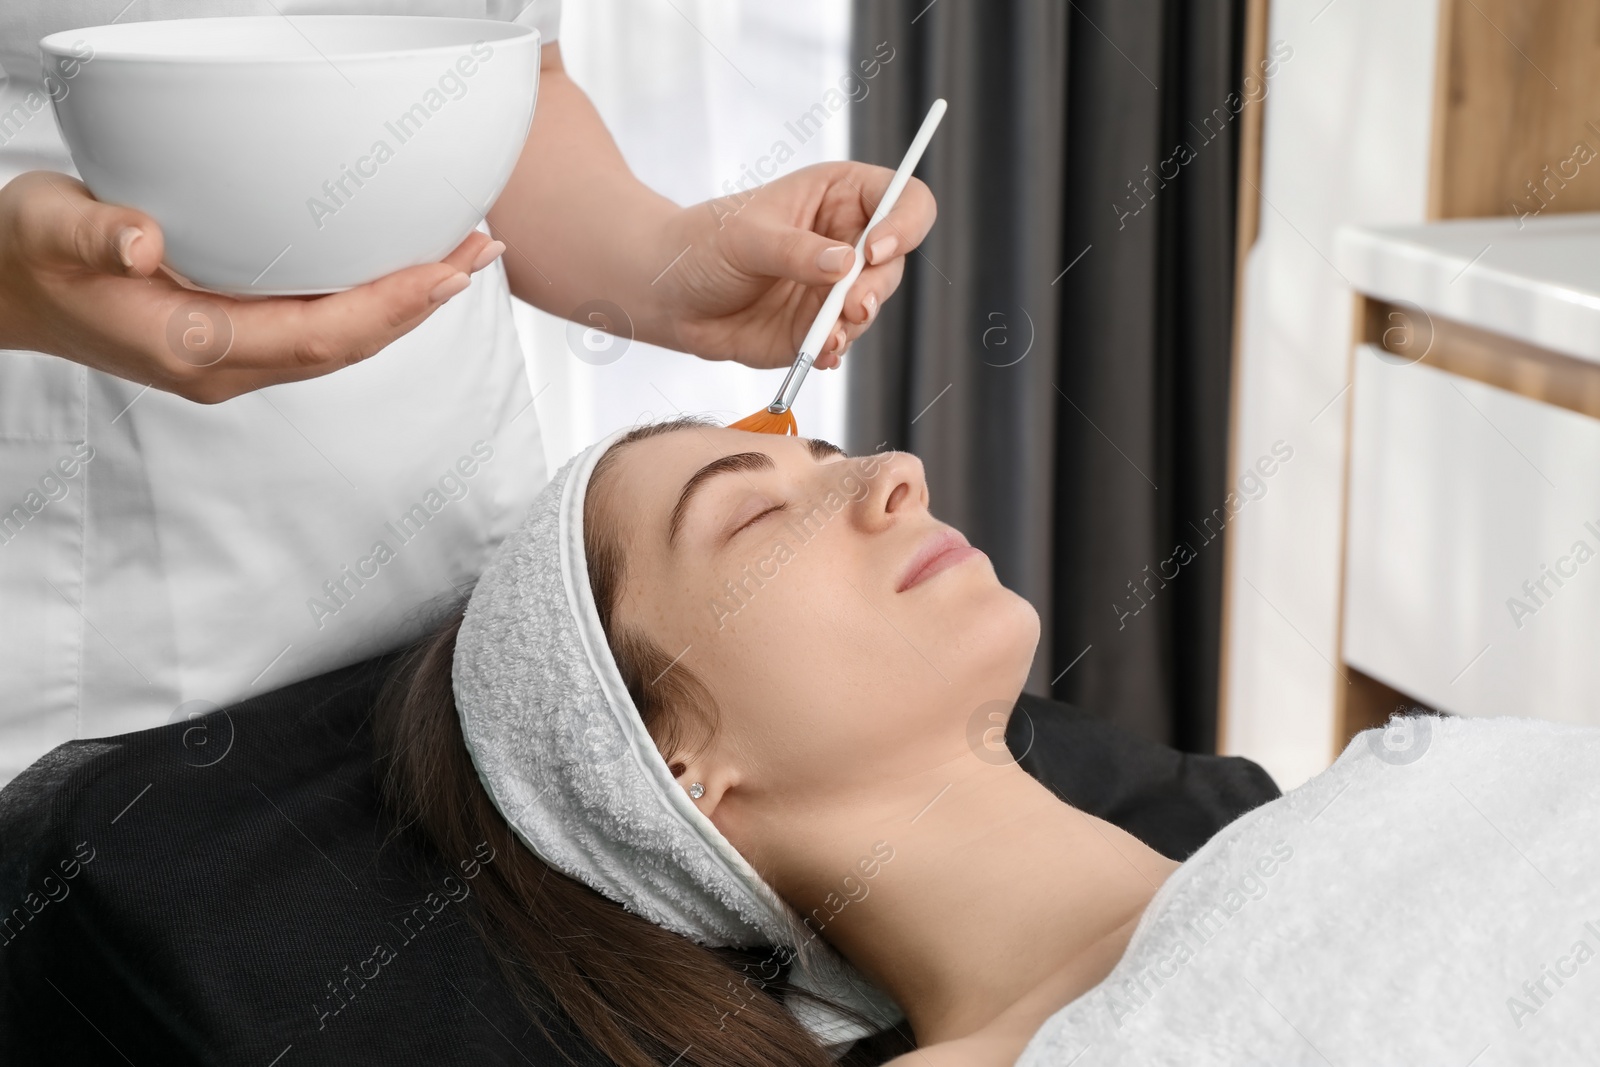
1023,620
991,637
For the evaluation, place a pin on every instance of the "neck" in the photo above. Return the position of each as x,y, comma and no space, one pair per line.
997,892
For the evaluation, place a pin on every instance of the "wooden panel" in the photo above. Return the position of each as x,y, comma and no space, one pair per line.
1366,702
1359,700
1249,201
1248,228
1517,119
1492,358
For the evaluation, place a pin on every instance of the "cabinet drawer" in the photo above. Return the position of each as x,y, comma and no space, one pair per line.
1472,578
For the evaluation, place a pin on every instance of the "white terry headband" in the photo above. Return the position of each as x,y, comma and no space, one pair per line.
566,758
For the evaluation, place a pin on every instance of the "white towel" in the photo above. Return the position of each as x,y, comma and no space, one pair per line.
560,747
1433,898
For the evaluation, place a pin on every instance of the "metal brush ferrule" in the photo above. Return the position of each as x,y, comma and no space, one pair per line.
791,384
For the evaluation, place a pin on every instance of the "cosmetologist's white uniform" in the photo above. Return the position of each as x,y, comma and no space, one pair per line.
159,556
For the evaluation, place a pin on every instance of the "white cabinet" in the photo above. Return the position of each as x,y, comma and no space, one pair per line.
1472,566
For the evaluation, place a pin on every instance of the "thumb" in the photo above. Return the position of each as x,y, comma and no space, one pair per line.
778,251
105,238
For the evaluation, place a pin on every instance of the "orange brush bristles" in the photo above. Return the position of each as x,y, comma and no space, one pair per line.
765,421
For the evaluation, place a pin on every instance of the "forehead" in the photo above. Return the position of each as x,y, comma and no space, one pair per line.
646,476
655,468
684,450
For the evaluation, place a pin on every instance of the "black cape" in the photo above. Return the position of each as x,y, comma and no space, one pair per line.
202,892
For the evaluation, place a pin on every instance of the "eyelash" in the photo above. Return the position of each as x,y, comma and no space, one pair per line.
757,518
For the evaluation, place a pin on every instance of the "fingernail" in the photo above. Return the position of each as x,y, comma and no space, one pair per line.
831,260
125,239
883,248
448,288
872,306
488,255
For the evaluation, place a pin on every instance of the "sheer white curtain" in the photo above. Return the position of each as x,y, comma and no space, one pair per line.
695,92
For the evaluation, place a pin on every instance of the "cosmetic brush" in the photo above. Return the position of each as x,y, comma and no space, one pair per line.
777,417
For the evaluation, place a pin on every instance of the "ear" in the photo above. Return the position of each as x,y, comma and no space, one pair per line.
714,783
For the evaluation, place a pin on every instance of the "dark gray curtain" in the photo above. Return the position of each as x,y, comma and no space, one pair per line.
1058,353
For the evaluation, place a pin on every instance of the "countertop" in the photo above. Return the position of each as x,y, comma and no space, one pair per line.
1536,279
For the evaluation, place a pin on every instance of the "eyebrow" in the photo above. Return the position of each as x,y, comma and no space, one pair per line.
738,462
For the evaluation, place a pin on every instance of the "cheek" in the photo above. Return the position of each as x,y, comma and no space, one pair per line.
802,628
783,637
808,671
775,615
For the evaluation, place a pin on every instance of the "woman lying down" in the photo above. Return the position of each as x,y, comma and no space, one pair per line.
728,681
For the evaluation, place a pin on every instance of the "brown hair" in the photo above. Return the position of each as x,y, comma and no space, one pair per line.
639,993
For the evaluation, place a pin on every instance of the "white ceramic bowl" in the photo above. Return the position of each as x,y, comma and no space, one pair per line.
299,154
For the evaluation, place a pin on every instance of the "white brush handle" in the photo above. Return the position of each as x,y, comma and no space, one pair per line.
828,314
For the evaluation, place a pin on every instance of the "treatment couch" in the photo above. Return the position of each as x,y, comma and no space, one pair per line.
211,891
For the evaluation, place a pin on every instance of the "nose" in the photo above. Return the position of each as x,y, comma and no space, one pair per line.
897,486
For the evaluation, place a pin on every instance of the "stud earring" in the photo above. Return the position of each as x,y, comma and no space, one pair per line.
697,790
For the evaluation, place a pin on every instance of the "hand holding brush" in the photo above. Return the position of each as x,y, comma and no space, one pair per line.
777,417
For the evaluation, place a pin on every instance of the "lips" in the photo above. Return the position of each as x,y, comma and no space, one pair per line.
940,551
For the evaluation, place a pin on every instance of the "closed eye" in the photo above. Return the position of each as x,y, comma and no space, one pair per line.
759,516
